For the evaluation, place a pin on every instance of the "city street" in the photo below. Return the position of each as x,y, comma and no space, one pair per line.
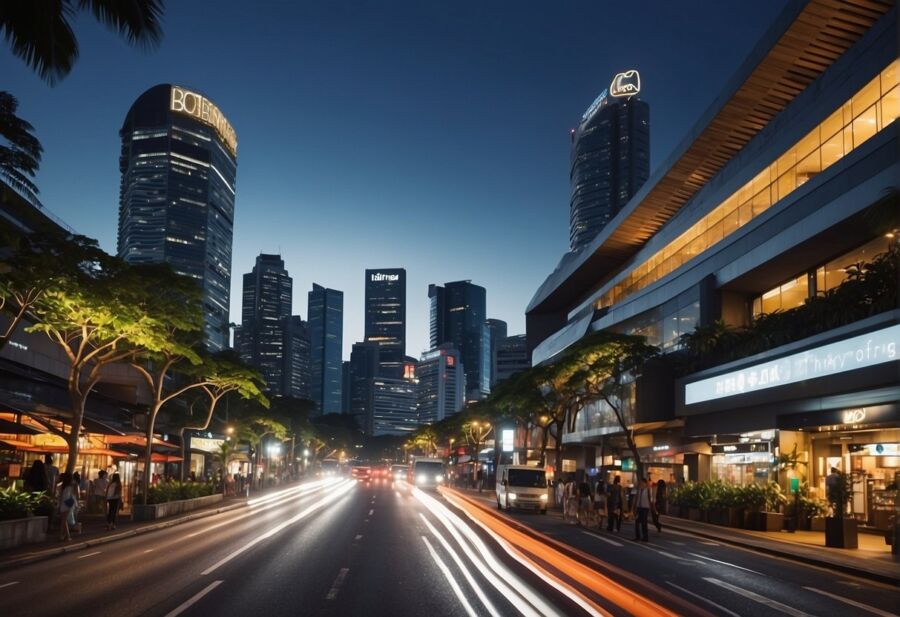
342,548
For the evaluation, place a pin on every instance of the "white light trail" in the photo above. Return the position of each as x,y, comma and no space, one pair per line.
453,584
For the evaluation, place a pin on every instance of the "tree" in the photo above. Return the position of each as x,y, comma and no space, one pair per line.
424,440
41,34
476,428
254,430
96,320
600,368
20,155
38,262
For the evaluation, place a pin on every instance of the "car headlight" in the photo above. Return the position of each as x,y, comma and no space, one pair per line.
544,497
512,496
421,478
439,478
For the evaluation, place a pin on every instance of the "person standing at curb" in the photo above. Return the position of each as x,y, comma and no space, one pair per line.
98,492
113,501
614,504
641,507
659,503
68,501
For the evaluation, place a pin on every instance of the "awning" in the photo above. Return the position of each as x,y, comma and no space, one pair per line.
12,428
138,440
164,458
28,447
102,452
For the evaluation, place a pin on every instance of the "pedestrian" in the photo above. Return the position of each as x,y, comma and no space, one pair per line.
52,473
659,503
98,492
614,504
832,482
68,502
113,501
571,507
600,503
642,504
35,478
560,493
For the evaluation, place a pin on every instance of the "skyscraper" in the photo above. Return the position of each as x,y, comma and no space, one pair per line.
458,311
265,308
364,367
510,357
392,407
386,318
296,358
176,198
610,157
442,384
497,330
326,331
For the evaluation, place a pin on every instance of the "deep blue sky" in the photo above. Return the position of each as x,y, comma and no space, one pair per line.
420,134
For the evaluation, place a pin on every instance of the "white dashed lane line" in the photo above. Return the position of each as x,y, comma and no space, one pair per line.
193,600
336,586
9,584
90,555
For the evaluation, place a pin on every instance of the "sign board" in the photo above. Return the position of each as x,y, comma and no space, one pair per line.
625,84
853,353
740,448
508,440
201,108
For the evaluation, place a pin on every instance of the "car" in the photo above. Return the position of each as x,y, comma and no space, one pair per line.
523,487
399,472
426,473
361,472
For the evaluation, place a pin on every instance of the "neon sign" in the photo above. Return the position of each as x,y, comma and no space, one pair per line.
853,353
201,108
378,276
625,84
854,416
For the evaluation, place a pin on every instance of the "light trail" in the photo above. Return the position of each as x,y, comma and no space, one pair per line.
578,572
340,489
454,585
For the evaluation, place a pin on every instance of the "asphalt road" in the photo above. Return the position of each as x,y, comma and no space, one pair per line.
724,579
354,549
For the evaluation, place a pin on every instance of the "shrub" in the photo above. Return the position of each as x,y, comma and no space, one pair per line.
175,491
19,504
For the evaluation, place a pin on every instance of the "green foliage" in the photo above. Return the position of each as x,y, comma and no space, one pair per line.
19,504
718,494
20,155
840,494
175,491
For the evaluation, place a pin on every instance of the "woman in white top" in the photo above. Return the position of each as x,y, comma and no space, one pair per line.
113,500
68,501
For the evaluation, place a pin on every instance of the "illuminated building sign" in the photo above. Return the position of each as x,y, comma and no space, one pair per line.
378,276
201,108
740,448
625,84
508,440
854,416
600,100
853,353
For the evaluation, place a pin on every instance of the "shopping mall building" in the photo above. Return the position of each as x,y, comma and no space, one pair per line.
785,188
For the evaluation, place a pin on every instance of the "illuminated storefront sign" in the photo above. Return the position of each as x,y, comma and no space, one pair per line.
508,440
854,416
625,84
600,100
206,444
378,276
201,108
853,353
740,448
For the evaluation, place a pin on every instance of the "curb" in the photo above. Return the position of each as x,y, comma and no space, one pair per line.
74,548
846,569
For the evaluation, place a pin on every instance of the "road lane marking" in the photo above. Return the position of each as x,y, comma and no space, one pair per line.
358,537
697,595
193,600
462,568
710,543
607,540
336,585
9,584
675,543
865,607
90,554
778,606
341,489
371,512
449,575
149,550
658,550
725,563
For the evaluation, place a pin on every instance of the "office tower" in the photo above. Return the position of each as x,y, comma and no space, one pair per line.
176,198
510,357
442,384
610,157
265,308
386,317
345,387
392,407
363,368
296,358
326,331
496,332
458,317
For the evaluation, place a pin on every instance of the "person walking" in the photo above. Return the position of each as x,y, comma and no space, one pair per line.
614,504
68,501
642,504
98,492
51,472
35,478
600,503
582,515
113,501
659,503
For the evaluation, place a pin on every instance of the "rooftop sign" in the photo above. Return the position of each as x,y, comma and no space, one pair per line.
856,352
380,276
625,84
201,108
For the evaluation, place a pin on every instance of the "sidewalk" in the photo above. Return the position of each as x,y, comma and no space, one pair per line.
94,530
873,558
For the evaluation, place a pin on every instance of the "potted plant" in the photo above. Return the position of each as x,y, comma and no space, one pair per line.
771,519
840,531
734,508
753,498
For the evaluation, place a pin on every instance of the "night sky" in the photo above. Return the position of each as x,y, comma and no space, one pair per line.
427,135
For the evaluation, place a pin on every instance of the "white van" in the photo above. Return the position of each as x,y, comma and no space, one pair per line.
521,486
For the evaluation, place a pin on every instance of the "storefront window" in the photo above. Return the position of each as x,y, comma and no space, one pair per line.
836,271
788,295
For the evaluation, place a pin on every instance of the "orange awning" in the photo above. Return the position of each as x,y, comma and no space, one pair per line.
137,440
28,447
164,458
102,452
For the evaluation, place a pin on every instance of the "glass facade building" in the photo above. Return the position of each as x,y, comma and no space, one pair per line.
392,407
442,384
363,369
176,199
326,332
458,314
385,306
496,332
296,358
610,161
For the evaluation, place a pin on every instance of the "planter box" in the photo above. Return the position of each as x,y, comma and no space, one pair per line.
817,523
695,514
751,519
735,517
770,521
841,533
171,508
682,512
21,531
